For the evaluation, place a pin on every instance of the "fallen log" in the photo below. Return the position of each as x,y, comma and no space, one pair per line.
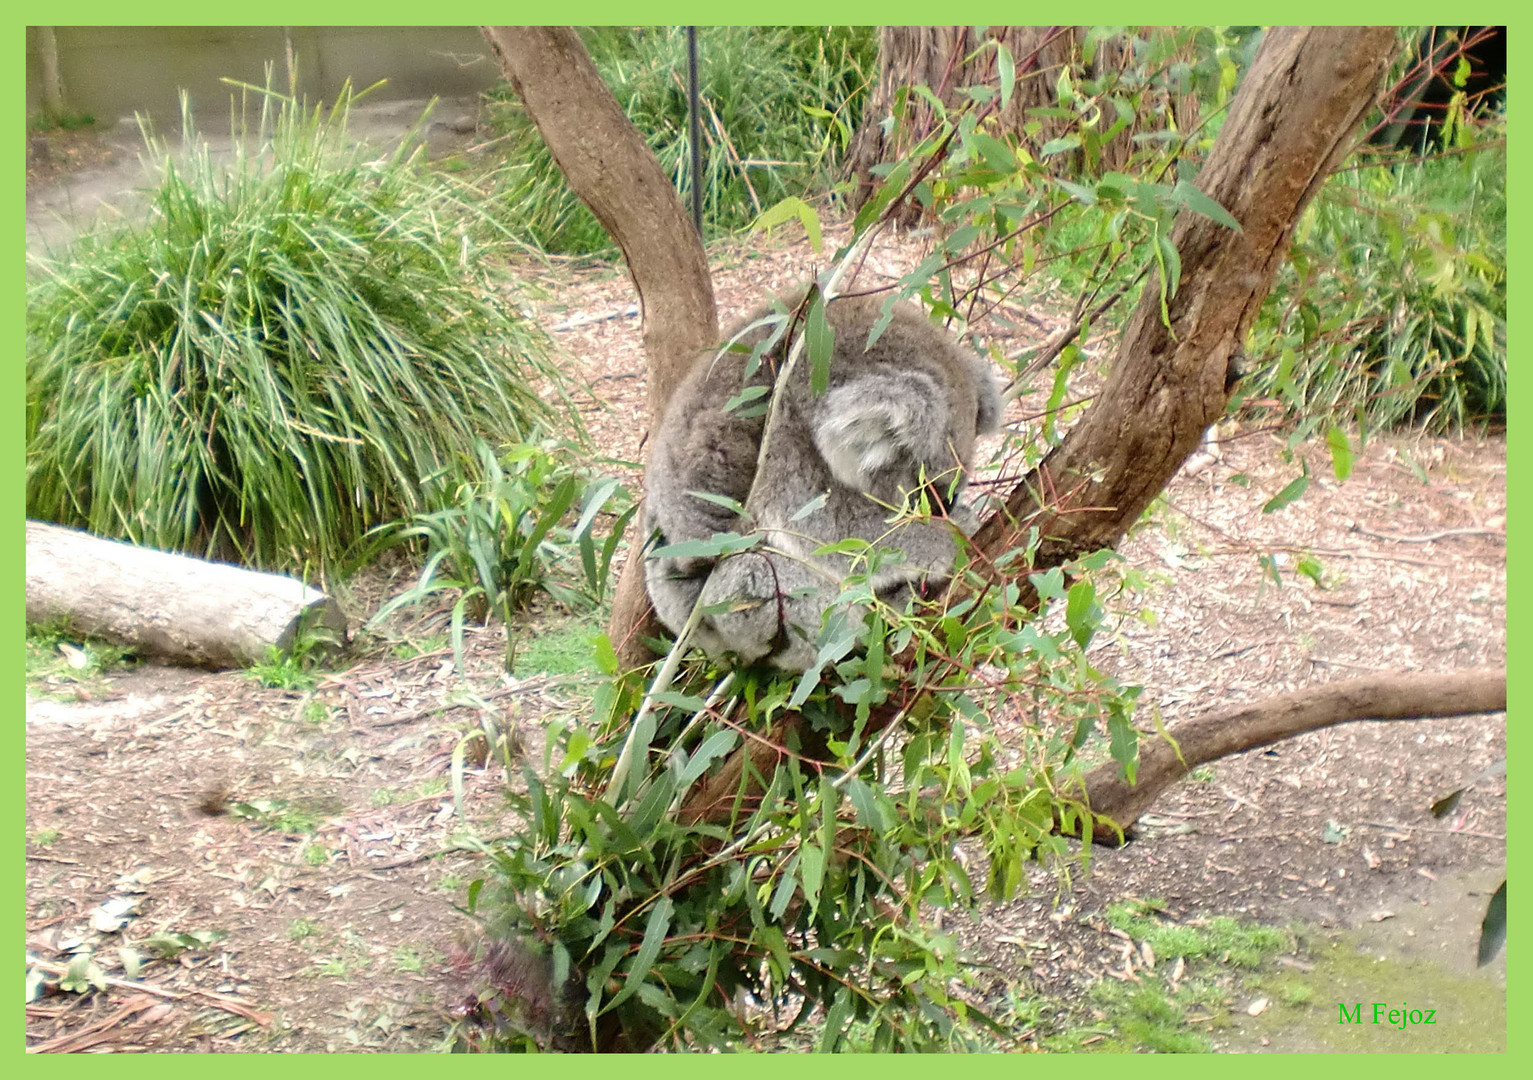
176,608
1217,734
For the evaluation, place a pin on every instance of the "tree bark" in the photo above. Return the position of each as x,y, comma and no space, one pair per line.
609,166
173,607
1293,118
1223,732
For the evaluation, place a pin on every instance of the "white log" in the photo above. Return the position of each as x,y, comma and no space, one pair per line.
176,608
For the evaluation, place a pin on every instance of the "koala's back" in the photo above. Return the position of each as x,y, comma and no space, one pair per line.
894,417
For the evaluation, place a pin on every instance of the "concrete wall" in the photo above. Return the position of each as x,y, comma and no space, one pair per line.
112,72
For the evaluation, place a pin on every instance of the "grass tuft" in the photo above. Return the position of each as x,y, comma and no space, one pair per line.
268,367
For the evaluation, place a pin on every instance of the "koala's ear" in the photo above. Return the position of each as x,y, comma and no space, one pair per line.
987,395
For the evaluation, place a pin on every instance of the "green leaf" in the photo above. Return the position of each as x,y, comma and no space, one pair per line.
606,655
1185,194
785,888
811,868
1123,742
1493,927
746,395
82,974
714,746
869,813
819,343
1341,452
790,209
852,545
718,545
997,155
1082,613
1050,585
810,507
732,505
1080,193
1006,68
835,1020
644,960
1309,566
1294,489
686,702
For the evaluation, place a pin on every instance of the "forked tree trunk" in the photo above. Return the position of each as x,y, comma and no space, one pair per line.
612,170
1292,119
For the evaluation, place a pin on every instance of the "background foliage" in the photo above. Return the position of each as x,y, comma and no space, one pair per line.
779,105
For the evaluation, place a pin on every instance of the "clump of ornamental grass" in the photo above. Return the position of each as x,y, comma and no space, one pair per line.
271,364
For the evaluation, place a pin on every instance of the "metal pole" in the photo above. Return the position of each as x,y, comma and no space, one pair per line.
694,131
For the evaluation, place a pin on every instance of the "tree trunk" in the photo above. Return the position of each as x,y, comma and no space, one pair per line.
172,607
48,66
1223,732
1293,118
609,166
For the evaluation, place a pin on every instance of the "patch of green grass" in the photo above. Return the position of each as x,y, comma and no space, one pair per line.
505,535
65,122
408,960
564,648
61,663
44,837
336,967
297,343
1156,1014
296,668
301,928
1220,938
283,671
295,818
408,650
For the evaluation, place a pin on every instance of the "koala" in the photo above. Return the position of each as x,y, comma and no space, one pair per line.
896,418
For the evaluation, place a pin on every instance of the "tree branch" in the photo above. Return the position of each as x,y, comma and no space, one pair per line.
1223,732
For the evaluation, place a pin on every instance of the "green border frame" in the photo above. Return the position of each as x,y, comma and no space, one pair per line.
12,550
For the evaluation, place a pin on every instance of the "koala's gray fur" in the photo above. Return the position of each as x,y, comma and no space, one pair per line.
894,416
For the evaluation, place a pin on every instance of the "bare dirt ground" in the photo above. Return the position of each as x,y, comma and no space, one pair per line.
169,802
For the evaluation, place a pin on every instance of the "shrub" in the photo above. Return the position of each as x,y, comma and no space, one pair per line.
1393,307
268,366
500,535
